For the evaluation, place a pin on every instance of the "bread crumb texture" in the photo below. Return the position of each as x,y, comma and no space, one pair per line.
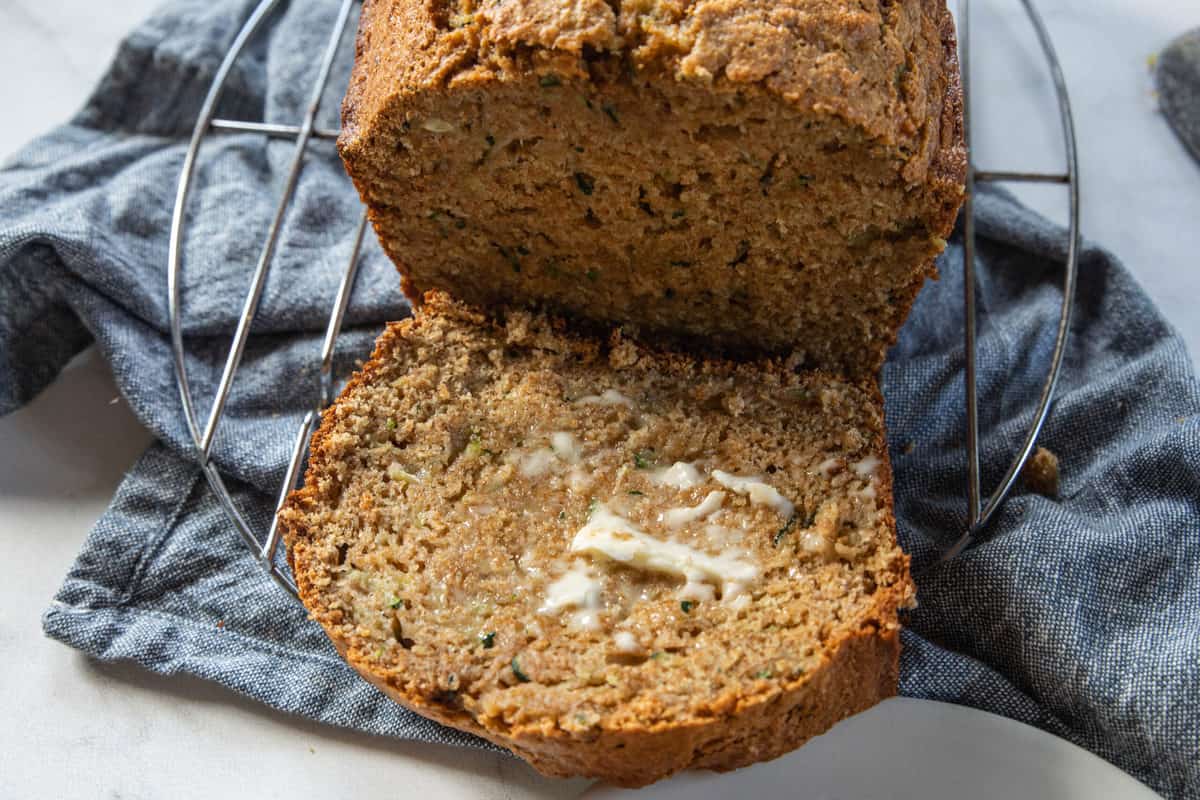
616,562
774,177
1041,473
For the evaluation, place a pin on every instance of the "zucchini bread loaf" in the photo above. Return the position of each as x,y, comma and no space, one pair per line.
616,562
767,176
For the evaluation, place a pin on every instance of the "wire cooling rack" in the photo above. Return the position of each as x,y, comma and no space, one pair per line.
265,548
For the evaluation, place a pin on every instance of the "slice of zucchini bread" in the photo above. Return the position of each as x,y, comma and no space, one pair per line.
767,176
618,563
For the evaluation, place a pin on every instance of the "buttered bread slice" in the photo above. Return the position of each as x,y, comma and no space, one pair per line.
616,562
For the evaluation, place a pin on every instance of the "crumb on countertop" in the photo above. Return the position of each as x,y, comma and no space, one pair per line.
1041,473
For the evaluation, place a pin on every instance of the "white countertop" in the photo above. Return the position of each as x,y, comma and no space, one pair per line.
74,728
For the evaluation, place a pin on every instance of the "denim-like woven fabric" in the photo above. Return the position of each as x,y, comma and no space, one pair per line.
1078,614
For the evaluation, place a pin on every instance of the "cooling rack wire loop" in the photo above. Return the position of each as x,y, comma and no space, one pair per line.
266,548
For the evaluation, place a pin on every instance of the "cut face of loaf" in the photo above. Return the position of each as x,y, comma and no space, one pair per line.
617,563
761,176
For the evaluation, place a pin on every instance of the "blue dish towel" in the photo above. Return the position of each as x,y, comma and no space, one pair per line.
1079,614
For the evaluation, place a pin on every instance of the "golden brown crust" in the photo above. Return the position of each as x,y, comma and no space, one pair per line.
859,669
949,165
825,54
863,672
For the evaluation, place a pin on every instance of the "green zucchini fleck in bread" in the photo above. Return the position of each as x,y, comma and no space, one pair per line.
616,562
770,177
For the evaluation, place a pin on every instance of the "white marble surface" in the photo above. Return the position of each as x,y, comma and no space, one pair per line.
1140,188
73,728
